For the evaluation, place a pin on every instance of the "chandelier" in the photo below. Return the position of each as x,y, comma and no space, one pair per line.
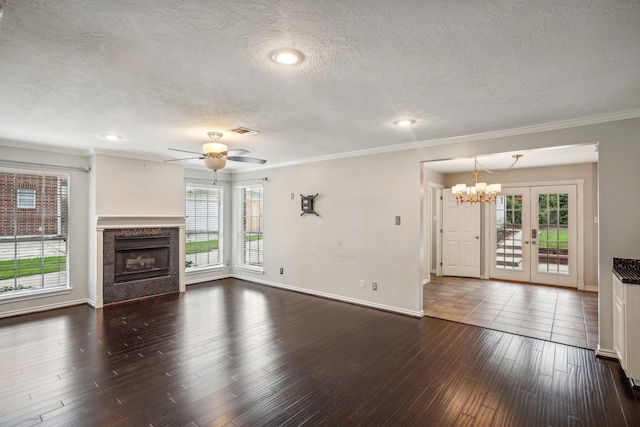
480,192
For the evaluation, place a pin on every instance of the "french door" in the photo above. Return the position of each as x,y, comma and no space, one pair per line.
533,235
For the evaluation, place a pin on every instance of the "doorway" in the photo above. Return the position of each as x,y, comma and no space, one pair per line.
534,235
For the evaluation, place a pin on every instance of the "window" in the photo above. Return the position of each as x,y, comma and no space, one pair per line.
251,227
26,198
33,236
203,227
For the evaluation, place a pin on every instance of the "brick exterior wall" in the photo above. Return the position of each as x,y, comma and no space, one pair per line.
43,219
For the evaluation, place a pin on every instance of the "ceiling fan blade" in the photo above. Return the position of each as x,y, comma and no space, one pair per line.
238,152
185,151
188,158
247,160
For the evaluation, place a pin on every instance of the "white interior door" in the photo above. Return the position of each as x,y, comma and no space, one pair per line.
533,232
461,238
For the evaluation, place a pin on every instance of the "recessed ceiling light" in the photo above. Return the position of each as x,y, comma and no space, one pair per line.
287,56
111,137
404,122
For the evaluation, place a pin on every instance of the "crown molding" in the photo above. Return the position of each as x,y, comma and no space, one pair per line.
525,130
34,146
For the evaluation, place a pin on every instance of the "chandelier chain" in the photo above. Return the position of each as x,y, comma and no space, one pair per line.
516,157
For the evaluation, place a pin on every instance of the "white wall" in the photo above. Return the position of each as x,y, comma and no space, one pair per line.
354,238
78,224
138,187
619,212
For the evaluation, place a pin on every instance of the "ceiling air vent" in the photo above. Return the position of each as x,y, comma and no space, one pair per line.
243,131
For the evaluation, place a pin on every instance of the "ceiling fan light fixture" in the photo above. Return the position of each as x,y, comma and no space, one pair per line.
215,154
214,148
215,163
287,56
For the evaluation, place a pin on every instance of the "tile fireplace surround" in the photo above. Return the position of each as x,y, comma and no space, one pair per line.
114,291
110,228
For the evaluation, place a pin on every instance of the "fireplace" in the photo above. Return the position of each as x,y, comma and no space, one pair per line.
142,257
139,262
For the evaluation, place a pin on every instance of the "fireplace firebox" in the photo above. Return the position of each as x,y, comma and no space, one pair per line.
141,257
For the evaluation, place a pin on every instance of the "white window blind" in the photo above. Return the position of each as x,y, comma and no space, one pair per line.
251,227
33,232
203,226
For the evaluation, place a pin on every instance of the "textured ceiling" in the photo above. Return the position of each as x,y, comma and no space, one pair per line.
163,74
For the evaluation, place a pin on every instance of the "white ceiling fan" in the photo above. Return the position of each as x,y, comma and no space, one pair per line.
215,154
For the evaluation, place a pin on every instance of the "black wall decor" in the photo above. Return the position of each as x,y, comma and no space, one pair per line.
306,203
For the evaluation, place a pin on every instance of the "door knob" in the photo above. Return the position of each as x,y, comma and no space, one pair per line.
533,242
526,242
477,237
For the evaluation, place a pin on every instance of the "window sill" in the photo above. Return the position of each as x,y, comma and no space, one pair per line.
196,270
257,270
29,295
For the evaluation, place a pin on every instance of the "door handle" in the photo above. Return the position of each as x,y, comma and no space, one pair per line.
533,242
526,242
477,237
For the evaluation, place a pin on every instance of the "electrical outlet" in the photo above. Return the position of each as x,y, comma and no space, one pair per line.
281,270
374,286
362,284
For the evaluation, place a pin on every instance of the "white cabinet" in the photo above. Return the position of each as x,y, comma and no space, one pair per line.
626,327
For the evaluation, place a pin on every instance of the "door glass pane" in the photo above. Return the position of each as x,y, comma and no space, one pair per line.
553,233
509,232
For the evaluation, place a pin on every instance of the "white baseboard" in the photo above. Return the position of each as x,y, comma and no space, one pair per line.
45,307
206,279
606,353
591,288
93,304
418,314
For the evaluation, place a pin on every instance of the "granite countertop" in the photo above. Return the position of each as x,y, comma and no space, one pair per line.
627,270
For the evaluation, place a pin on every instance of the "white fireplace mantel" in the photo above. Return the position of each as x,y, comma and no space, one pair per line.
136,221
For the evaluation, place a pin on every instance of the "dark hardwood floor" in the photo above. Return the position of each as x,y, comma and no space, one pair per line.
239,354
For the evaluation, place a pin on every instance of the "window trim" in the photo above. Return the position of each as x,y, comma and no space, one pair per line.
61,288
221,241
240,229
